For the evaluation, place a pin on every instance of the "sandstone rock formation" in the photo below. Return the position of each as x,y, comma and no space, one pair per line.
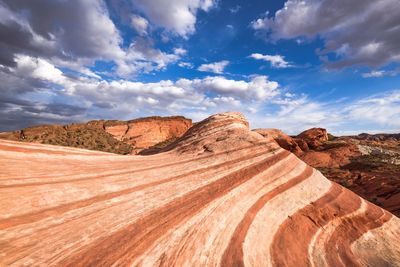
121,137
147,132
314,137
330,156
366,164
284,140
221,195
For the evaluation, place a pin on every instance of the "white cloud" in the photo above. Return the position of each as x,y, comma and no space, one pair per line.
177,16
187,65
180,51
380,73
37,68
294,114
209,95
216,67
383,109
374,74
226,100
89,34
139,24
78,40
141,56
235,9
277,61
262,100
259,88
342,25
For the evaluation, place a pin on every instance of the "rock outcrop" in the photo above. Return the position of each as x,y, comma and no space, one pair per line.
220,195
147,132
366,164
378,137
330,156
121,137
314,137
284,140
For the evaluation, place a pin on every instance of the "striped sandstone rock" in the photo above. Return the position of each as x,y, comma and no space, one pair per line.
219,196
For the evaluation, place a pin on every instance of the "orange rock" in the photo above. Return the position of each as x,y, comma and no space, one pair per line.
314,137
284,140
220,195
334,156
117,130
146,132
302,144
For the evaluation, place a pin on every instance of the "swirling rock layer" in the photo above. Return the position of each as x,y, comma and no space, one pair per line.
219,196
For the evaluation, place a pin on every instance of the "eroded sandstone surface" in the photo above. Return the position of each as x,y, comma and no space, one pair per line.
220,195
369,165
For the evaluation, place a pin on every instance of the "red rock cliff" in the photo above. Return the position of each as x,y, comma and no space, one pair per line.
147,132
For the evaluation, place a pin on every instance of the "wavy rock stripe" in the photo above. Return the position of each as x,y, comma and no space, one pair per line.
233,255
221,195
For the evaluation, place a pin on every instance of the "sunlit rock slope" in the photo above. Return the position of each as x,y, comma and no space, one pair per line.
221,195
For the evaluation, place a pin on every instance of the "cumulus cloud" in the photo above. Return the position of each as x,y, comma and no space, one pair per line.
180,51
120,98
60,32
35,91
76,40
37,68
186,65
141,56
342,25
140,24
216,67
26,97
258,88
277,61
176,16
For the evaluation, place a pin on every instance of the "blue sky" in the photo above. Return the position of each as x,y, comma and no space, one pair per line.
285,64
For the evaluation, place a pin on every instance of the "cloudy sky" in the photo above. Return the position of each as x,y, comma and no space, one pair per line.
285,64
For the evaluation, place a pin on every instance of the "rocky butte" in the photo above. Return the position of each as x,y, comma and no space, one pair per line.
220,195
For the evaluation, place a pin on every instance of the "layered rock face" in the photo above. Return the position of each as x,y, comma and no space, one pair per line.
121,137
220,195
147,132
